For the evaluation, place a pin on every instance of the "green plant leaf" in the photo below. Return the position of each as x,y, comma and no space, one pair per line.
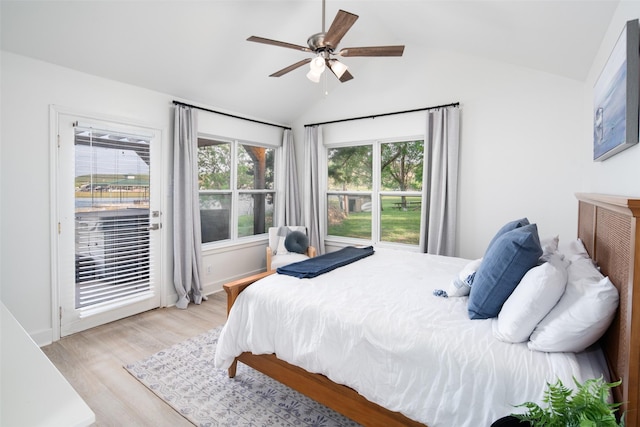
587,407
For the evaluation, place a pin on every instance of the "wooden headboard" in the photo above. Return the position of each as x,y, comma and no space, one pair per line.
609,228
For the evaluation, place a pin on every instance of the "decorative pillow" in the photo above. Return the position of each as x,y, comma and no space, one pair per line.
503,266
461,285
297,242
278,235
282,236
582,315
512,225
549,247
537,293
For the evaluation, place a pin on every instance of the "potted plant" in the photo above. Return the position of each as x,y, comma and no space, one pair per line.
588,406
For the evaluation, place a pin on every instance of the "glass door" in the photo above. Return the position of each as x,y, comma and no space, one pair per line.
109,228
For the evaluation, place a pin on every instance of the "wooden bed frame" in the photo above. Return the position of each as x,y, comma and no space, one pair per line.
610,229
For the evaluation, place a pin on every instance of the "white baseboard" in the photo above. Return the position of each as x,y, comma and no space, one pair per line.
213,287
43,337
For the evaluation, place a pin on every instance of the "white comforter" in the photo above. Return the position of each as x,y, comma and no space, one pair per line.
376,327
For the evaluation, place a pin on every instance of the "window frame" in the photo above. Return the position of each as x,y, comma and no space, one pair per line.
375,193
234,238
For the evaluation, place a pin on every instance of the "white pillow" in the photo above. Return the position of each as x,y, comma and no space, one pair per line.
575,250
549,247
582,315
461,285
537,293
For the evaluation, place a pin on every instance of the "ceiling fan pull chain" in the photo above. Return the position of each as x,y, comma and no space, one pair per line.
326,91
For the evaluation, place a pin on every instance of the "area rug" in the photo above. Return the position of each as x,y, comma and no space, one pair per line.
184,377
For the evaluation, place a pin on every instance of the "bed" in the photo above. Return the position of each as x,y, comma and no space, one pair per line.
607,228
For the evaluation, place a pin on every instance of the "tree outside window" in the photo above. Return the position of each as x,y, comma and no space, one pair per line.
255,172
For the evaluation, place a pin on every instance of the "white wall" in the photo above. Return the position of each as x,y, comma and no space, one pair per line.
521,132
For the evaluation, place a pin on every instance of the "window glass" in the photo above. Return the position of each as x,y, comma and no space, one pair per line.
112,196
255,213
349,215
215,216
255,167
350,168
400,219
401,166
214,164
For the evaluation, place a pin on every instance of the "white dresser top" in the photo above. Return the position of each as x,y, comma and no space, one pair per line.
34,393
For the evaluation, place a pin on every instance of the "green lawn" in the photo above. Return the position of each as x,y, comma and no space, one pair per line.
398,225
245,224
357,224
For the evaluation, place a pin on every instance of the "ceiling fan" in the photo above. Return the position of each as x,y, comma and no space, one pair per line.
325,44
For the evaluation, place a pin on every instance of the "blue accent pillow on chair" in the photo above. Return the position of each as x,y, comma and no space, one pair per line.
297,242
503,266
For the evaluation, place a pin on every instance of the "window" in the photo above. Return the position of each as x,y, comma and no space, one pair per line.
375,191
350,186
237,190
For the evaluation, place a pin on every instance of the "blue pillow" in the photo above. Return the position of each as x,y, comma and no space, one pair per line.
297,242
512,225
503,266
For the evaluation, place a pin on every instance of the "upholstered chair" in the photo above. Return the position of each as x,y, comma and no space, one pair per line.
288,244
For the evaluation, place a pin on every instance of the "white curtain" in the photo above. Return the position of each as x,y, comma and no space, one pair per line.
312,197
288,204
187,238
442,146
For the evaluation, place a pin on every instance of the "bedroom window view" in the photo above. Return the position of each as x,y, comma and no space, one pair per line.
350,185
111,217
396,187
401,169
236,189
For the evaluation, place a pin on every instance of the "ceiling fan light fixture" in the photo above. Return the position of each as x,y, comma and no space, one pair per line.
314,76
317,64
337,67
316,68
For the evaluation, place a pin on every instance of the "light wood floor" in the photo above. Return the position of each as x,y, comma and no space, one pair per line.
92,361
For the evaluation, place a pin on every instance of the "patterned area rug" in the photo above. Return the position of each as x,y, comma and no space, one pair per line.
184,377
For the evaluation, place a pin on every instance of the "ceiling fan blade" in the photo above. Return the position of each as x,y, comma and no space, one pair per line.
346,77
278,43
290,68
339,27
372,51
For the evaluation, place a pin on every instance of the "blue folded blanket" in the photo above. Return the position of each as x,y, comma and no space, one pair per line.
313,267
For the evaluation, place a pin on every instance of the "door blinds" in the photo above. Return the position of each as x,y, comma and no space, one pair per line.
112,241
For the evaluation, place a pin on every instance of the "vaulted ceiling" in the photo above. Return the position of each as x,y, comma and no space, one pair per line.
197,50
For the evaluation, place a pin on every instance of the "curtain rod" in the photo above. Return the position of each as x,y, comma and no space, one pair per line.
231,115
454,104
